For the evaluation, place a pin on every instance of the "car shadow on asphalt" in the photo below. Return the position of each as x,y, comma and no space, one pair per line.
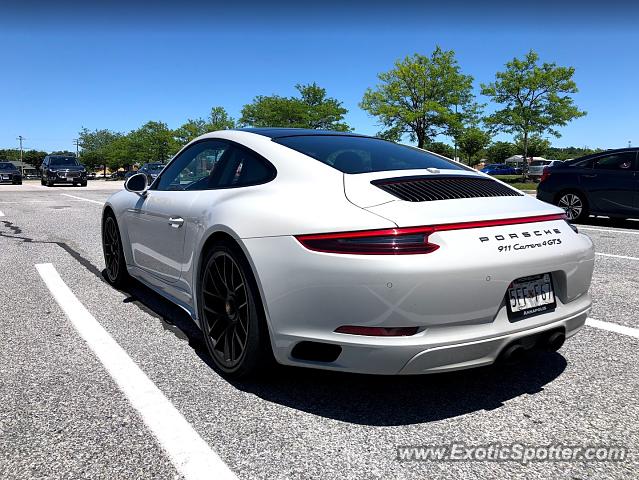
370,399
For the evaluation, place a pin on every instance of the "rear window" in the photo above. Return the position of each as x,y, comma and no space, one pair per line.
539,163
364,154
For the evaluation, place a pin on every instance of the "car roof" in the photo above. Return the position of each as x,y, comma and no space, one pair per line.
281,132
603,152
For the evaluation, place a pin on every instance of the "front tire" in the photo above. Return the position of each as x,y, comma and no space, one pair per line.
575,206
231,315
116,272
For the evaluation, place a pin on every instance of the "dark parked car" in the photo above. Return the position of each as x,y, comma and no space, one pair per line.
62,169
499,169
152,170
10,173
605,183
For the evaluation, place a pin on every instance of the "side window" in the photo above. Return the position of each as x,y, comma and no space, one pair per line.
619,161
241,168
194,168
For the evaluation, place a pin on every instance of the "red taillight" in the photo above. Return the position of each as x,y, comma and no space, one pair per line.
394,241
378,331
544,175
400,241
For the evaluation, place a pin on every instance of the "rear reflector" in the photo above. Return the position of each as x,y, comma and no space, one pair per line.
378,331
401,241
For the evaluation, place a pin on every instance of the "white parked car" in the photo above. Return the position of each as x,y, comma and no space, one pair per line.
346,252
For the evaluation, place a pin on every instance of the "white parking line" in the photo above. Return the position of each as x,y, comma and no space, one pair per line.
80,198
616,256
607,230
613,327
192,456
1,213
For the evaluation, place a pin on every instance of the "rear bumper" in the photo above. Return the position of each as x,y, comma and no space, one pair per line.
455,296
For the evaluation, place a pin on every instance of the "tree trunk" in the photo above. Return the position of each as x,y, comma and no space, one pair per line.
524,165
421,137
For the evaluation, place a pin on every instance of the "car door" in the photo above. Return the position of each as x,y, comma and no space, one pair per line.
157,222
611,183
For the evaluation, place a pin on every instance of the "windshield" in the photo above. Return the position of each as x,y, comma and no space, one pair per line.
364,154
60,161
7,166
539,163
152,167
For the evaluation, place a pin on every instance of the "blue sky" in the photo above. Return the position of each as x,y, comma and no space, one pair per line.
119,65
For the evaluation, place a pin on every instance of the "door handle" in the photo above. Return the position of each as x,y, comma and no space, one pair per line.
176,222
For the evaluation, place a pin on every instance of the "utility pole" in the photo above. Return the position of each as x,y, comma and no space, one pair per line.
76,142
629,143
21,138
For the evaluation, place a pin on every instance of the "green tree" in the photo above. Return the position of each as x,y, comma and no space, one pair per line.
313,109
497,152
537,146
96,145
218,119
535,98
152,142
441,148
422,97
472,141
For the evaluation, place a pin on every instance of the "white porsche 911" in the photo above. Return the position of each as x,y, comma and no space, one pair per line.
347,252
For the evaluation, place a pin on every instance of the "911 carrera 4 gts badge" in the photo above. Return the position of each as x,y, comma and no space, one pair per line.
539,237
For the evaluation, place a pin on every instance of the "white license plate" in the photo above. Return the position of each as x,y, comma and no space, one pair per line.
529,296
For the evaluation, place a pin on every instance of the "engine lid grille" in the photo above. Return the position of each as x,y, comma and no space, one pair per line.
440,187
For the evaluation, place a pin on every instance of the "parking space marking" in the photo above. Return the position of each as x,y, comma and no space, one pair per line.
1,213
190,454
80,198
613,327
608,230
616,256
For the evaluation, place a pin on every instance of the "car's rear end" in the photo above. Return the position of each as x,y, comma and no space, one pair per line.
536,169
468,269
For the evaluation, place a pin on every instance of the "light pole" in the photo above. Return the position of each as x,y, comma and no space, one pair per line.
21,138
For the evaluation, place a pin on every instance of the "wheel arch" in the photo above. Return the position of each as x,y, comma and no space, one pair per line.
223,234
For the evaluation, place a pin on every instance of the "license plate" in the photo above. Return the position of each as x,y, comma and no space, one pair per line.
529,296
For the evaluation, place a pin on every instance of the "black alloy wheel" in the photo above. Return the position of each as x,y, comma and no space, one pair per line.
116,272
233,325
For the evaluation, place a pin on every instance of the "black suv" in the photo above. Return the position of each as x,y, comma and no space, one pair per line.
10,173
605,183
62,169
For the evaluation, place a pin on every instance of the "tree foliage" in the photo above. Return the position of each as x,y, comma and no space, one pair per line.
535,98
497,152
422,97
537,146
441,148
472,141
218,119
312,109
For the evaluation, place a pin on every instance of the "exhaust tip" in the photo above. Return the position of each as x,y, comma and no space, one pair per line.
513,353
555,341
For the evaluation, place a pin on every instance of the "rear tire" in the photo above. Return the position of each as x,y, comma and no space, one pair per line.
116,272
231,314
575,206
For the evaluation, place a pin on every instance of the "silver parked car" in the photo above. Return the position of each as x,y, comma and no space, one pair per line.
536,168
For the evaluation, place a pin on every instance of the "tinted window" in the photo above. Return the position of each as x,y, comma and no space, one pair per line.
193,168
361,154
241,167
6,166
623,161
60,161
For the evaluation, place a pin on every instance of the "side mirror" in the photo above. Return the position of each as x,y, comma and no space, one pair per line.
137,183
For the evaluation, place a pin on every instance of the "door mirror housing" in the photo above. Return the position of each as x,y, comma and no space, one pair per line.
137,183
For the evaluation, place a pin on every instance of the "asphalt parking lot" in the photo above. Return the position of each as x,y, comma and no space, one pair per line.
62,415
